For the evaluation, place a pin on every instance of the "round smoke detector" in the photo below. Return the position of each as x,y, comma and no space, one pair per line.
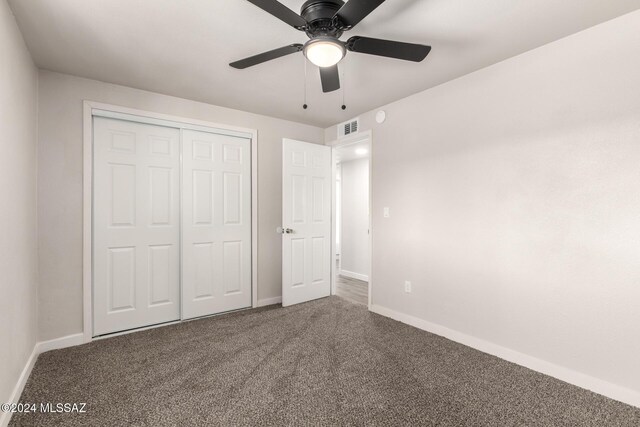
381,116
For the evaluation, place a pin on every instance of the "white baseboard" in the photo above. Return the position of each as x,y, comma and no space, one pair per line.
351,274
62,342
38,348
269,301
5,417
605,388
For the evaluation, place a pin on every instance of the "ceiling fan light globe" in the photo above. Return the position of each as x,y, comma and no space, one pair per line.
324,53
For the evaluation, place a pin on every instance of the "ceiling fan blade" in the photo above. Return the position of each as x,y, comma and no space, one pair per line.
281,12
330,78
266,56
354,11
388,48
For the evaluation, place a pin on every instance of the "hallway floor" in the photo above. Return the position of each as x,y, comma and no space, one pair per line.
353,290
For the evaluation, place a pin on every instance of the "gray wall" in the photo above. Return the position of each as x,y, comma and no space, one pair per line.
515,203
18,244
60,186
354,237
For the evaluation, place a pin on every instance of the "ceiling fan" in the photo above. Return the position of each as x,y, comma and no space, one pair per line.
324,21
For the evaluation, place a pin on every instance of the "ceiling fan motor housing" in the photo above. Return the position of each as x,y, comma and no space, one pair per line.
319,16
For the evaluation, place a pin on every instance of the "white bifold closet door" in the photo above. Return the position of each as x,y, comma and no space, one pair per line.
136,225
216,223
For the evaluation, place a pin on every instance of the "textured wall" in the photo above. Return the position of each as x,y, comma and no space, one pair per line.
18,233
515,203
354,255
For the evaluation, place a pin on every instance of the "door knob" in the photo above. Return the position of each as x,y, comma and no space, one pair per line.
283,230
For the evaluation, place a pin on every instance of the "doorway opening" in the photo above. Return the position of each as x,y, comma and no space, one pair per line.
352,225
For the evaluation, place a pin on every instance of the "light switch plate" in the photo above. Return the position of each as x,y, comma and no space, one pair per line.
385,212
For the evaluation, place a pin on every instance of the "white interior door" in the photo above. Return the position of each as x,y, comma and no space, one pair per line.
216,228
136,220
306,214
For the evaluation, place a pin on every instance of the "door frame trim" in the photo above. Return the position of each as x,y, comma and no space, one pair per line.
348,140
91,109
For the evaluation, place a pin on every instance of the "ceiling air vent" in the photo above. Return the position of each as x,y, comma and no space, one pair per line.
348,128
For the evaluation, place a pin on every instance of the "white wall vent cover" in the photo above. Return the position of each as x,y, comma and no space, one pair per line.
348,128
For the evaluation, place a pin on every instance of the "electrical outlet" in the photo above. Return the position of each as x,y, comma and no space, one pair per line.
385,212
407,286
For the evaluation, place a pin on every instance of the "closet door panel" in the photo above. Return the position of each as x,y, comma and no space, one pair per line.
216,223
136,225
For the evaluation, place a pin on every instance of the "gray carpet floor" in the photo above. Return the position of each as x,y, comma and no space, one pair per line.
327,362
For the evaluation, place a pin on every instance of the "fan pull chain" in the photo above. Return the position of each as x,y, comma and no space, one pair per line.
304,106
344,81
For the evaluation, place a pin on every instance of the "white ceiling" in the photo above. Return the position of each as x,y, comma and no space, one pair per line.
182,47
